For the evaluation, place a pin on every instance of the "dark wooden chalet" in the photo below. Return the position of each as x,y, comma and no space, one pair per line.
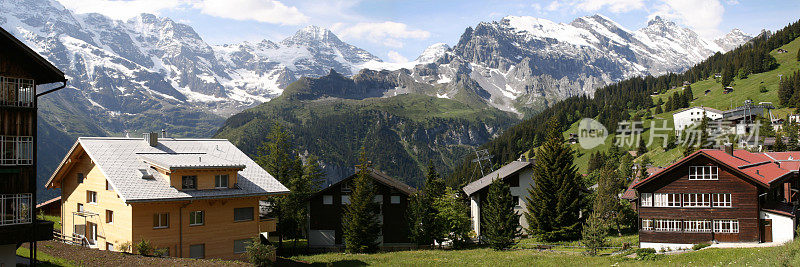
326,209
21,71
718,196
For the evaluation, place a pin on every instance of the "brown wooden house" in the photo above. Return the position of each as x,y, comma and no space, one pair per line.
718,196
326,209
22,71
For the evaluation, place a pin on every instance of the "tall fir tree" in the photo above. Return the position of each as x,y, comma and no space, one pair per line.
277,157
705,139
658,109
642,148
791,134
779,146
594,233
500,221
360,222
727,76
425,229
554,199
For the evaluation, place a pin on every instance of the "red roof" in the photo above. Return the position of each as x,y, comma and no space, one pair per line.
763,168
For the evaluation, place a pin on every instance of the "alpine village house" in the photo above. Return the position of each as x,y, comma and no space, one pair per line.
22,71
518,175
326,210
718,195
195,198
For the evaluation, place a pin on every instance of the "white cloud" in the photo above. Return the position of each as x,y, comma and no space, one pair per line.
732,2
395,57
615,6
120,10
553,6
388,33
703,16
269,11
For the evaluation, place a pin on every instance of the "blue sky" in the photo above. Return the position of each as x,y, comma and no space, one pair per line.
400,30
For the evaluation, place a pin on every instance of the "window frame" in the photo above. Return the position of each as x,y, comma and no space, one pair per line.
646,200
80,178
394,200
203,251
327,199
193,216
697,200
715,200
218,179
345,199
698,226
733,226
109,216
91,197
192,178
251,218
647,225
245,244
160,216
707,173
667,200
667,225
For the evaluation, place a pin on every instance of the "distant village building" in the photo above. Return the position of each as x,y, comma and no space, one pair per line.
707,91
327,206
689,116
685,83
195,198
716,195
728,90
781,51
517,174
51,207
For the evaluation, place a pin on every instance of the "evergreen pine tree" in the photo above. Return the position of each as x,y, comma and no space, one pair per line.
791,134
625,168
425,229
500,221
554,198
798,54
659,110
594,233
642,148
687,91
727,76
360,225
779,146
705,141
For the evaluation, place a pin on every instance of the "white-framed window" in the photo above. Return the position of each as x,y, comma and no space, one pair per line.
668,225
722,200
345,199
395,200
91,197
221,181
327,200
667,200
703,173
378,199
16,150
647,199
697,200
726,226
17,92
700,226
160,220
196,218
647,224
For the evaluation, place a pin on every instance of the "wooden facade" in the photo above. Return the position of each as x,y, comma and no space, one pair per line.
21,70
748,199
326,217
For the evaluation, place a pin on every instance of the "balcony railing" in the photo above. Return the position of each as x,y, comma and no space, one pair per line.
16,150
16,92
15,209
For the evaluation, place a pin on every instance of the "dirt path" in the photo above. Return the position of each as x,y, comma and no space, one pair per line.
91,257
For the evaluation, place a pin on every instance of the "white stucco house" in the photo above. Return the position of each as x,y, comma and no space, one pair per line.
517,174
686,117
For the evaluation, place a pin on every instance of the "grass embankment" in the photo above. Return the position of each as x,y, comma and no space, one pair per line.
44,258
771,256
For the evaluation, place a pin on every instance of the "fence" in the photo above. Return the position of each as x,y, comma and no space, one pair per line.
16,150
16,92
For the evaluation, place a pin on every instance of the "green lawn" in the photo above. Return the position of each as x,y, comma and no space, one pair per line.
46,259
55,219
774,256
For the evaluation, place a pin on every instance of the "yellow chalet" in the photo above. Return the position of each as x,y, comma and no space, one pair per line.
195,198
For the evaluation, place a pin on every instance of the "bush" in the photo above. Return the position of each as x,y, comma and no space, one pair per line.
646,254
762,89
259,254
161,252
145,248
125,247
700,246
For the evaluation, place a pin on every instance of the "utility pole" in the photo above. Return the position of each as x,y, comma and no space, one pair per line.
480,156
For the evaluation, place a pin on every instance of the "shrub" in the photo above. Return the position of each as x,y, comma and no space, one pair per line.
161,252
762,89
646,254
125,247
700,246
259,254
144,247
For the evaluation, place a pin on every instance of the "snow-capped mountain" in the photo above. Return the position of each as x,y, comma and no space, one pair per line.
733,39
525,63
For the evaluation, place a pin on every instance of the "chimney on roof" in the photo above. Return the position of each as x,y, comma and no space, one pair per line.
728,148
163,133
151,139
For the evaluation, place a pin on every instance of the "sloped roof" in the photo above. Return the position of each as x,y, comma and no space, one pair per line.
173,161
120,161
762,168
703,108
47,74
381,178
503,172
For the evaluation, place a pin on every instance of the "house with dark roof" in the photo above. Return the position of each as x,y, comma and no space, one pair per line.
24,77
718,195
327,206
196,198
517,174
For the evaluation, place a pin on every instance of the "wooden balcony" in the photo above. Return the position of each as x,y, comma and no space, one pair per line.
16,150
16,92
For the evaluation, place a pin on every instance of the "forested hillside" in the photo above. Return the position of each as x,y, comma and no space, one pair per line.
632,97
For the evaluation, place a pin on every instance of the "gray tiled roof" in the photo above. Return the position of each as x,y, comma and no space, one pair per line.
120,160
504,171
172,161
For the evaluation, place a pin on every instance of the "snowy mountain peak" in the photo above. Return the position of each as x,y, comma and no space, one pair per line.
312,35
433,52
733,39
